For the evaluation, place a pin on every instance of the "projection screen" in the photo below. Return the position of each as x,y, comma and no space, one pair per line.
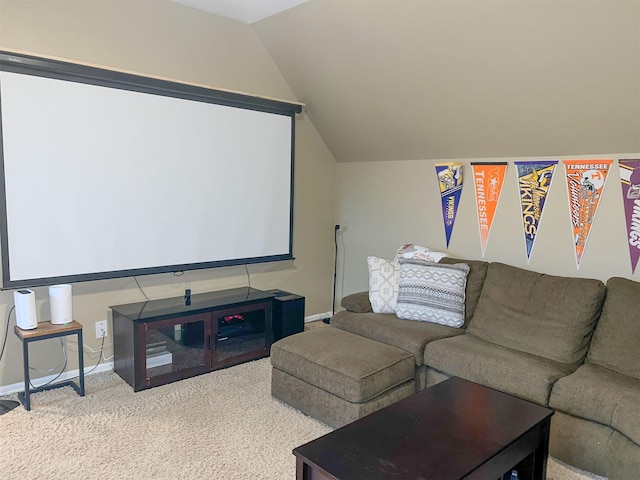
107,175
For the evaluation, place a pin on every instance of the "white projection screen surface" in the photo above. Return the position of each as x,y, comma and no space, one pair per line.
103,182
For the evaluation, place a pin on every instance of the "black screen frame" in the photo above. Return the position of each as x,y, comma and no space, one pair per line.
68,71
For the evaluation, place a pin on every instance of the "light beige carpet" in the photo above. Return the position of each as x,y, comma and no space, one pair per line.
222,425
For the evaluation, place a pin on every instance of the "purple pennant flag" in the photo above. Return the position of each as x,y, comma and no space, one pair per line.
534,180
630,178
450,180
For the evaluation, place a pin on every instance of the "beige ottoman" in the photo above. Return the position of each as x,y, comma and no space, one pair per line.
337,376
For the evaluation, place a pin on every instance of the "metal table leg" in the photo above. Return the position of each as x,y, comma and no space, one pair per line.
81,363
25,397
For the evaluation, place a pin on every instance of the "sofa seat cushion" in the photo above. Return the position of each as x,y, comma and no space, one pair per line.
521,374
598,394
349,366
409,335
616,341
544,315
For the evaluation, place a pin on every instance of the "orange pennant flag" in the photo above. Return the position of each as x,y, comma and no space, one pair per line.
488,179
585,181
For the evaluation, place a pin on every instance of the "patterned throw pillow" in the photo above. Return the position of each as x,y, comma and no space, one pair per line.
432,292
383,284
411,250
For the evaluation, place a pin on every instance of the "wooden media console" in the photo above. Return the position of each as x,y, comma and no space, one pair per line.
161,341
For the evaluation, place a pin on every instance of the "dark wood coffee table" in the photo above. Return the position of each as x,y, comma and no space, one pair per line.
455,429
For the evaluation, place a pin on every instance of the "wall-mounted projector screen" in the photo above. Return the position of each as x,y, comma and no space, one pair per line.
106,174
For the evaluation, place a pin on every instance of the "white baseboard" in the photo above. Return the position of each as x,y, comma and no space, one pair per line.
318,316
19,387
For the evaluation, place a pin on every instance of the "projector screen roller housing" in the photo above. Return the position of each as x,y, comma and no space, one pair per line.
106,174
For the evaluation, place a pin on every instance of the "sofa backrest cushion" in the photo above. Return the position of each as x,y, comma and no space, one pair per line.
475,280
616,341
545,315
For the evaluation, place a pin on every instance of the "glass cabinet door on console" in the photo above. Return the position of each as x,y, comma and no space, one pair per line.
240,334
173,349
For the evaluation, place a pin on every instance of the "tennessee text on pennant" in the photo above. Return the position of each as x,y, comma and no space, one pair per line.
534,180
630,178
585,181
450,180
487,179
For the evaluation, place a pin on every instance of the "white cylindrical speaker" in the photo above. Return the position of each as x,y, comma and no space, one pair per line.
26,315
61,304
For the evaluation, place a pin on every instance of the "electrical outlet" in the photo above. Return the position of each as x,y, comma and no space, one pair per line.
101,329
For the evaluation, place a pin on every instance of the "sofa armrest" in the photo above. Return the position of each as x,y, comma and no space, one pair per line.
357,302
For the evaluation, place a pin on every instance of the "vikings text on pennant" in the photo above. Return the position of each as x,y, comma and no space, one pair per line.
585,183
488,179
630,178
450,180
534,180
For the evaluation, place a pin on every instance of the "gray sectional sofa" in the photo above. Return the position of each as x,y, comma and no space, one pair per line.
571,344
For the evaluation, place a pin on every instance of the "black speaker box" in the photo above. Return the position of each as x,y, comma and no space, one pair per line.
288,314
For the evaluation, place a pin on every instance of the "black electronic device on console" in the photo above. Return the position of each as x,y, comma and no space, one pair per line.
288,314
187,297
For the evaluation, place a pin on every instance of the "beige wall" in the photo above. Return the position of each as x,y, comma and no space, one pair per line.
169,40
383,205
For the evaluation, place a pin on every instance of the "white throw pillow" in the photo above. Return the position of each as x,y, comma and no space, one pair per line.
411,250
383,284
432,292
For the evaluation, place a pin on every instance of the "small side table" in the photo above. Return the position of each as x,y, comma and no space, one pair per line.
48,330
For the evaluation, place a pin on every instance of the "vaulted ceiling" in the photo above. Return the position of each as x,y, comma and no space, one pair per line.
431,79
